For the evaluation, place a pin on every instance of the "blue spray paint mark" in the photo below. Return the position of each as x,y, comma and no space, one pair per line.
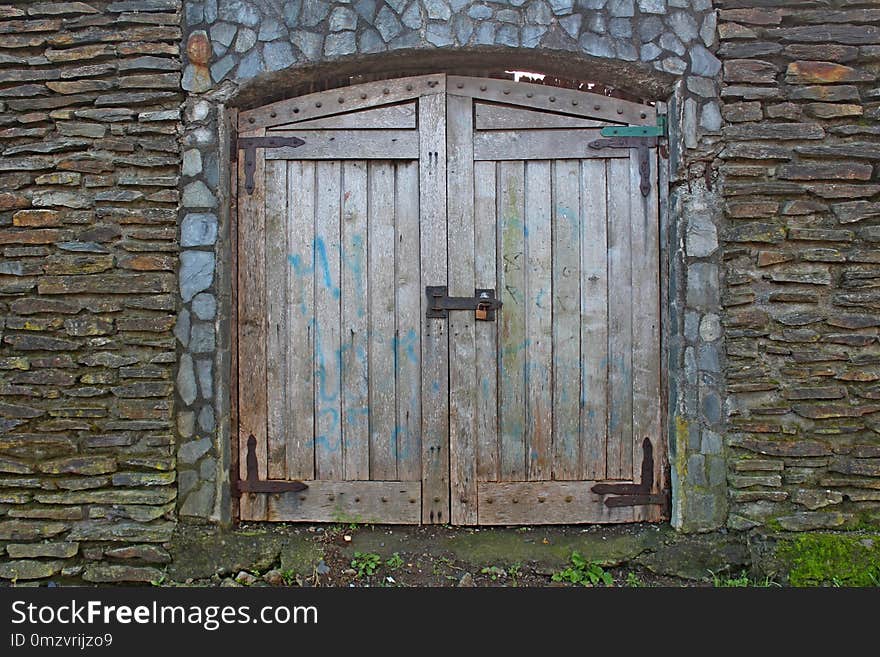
321,256
323,441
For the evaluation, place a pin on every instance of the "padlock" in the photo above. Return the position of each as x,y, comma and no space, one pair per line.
482,312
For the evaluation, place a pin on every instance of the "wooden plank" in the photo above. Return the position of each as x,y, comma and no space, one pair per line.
462,374
275,237
435,346
401,117
326,103
349,144
383,416
503,117
355,390
409,324
486,333
252,406
619,455
301,185
328,407
554,99
645,317
594,318
373,502
539,145
566,319
229,118
512,319
545,503
539,321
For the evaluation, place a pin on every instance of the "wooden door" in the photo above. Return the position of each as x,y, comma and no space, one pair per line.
389,416
558,396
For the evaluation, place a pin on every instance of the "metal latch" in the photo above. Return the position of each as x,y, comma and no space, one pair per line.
483,303
250,145
253,484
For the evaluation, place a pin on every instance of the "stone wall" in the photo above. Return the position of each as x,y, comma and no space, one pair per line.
801,111
89,122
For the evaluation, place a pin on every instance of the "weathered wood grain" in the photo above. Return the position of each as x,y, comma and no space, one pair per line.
386,502
391,117
540,145
349,145
545,503
504,117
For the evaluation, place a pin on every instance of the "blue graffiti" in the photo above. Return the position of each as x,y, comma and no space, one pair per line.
321,256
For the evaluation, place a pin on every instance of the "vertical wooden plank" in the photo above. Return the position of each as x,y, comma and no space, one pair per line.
512,354
539,321
566,320
328,407
275,237
383,417
407,353
301,192
252,329
594,319
645,317
619,450
355,392
435,346
230,119
462,350
486,333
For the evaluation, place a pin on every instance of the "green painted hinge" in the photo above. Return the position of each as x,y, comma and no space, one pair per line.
658,130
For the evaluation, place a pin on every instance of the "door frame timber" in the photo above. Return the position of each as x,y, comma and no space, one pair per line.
438,494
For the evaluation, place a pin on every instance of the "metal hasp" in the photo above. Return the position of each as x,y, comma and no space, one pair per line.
250,145
635,494
253,484
483,303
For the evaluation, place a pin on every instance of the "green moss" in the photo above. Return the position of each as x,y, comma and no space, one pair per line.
843,560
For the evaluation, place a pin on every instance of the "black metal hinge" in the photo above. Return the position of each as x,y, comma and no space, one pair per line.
640,494
643,144
250,145
253,483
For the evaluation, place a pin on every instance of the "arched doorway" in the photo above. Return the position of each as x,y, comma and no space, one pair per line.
375,225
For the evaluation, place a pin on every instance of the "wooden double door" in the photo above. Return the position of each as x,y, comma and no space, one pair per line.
388,415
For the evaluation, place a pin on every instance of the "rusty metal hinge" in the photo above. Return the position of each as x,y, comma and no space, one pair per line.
483,303
640,494
253,483
250,145
643,144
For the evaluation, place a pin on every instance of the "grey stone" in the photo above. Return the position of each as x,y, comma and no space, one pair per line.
621,8
186,379
700,5
251,65
192,162
691,325
531,35
291,12
223,33
458,5
650,52
711,442
707,359
278,55
710,405
684,26
702,236
186,423
480,11
221,68
671,42
716,468
208,469
313,12
650,28
592,4
600,46
508,16
270,29
689,123
710,327
206,381
309,44
702,284
696,470
562,7
211,170
652,6
704,62
366,9
710,117
245,40
507,35
198,229
572,25
181,327
197,195
674,65
343,18
439,34
412,17
189,81
597,24
701,86
237,11
369,41
186,481
201,338
486,33
707,30
539,12
463,27
339,44
690,364
626,50
192,451
396,5
437,10
196,273
206,418
200,502
409,39
388,24
620,27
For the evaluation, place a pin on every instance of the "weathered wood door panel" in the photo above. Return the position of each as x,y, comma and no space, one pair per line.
392,417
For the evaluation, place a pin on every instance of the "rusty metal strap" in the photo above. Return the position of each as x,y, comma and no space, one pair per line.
253,483
643,145
250,145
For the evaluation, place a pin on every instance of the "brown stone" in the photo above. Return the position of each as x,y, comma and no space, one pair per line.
768,258
826,411
9,201
107,284
750,70
752,15
841,190
830,52
198,48
832,110
791,111
795,448
756,232
825,171
820,235
826,392
805,72
49,549
78,264
740,112
24,530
